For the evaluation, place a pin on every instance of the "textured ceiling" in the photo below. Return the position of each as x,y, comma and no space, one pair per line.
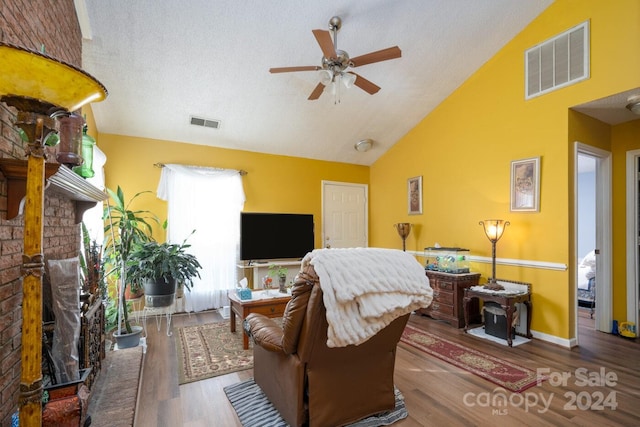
163,61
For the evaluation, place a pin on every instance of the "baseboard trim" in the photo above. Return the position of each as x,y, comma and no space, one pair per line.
552,339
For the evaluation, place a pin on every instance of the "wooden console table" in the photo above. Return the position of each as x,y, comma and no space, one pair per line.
507,301
447,297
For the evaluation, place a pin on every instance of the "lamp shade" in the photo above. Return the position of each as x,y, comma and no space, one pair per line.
326,77
29,75
494,228
348,80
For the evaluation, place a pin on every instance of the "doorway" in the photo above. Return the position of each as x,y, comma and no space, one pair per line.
586,239
344,215
593,220
633,234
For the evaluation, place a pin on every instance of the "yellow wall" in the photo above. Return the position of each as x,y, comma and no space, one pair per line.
273,183
463,150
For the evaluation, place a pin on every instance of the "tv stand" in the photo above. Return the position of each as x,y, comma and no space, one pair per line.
259,269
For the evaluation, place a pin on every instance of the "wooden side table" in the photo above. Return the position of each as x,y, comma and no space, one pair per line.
506,300
261,302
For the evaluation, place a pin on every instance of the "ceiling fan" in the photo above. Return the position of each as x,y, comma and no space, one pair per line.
335,62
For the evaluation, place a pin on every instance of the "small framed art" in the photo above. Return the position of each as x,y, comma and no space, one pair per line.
525,185
414,195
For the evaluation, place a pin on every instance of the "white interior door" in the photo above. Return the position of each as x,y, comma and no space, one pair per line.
345,222
603,310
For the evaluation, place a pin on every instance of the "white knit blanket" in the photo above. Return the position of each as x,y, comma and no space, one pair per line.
365,289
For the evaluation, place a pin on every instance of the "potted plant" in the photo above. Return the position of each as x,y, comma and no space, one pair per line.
159,268
125,229
281,273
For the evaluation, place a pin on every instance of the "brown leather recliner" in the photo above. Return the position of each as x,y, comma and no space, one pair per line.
310,383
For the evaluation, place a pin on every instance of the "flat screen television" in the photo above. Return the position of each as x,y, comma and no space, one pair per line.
265,236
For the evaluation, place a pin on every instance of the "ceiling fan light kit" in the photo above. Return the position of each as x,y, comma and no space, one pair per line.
336,62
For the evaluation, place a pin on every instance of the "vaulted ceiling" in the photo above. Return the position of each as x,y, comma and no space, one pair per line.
164,61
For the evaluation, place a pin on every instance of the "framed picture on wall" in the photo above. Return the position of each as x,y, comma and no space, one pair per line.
414,195
525,185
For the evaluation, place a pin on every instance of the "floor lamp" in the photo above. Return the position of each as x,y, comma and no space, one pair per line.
403,228
493,229
42,89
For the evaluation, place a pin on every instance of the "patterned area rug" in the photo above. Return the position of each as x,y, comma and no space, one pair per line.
505,374
255,410
209,350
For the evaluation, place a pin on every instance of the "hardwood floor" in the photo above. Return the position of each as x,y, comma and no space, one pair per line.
436,393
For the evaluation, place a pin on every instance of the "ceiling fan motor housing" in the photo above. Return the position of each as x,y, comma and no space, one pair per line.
338,64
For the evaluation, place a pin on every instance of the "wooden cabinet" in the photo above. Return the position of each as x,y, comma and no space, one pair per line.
448,292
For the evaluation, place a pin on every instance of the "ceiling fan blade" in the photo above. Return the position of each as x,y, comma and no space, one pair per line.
365,84
377,56
291,69
326,44
316,92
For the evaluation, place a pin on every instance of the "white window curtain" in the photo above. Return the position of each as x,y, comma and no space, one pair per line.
210,201
92,218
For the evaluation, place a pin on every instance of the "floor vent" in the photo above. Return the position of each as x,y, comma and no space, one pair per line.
557,62
208,123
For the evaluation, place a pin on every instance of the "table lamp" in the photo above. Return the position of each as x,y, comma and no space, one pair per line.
494,228
42,89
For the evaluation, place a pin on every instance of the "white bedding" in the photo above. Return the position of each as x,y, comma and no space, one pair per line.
365,289
584,274
586,270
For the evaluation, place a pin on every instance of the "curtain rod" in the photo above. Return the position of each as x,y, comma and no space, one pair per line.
241,171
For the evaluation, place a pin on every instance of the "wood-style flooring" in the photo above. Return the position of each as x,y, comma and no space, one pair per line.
436,393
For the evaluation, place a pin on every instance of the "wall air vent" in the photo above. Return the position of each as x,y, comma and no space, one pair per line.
208,123
557,62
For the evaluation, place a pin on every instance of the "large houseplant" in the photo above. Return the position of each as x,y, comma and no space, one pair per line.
125,229
159,268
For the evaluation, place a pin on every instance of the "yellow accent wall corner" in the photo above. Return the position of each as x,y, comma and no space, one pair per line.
463,150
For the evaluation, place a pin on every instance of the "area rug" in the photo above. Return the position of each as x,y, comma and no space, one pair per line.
481,333
254,409
206,351
505,374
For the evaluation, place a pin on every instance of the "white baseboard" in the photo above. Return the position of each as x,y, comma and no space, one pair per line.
563,342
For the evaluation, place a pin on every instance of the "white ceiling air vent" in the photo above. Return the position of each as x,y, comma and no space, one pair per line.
557,62
208,123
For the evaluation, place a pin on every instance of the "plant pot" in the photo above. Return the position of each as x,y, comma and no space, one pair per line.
282,284
129,295
125,340
67,403
159,293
